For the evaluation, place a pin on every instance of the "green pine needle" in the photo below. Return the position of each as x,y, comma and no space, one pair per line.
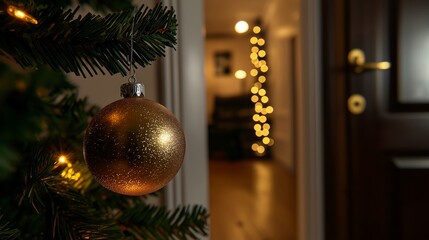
153,222
91,44
6,231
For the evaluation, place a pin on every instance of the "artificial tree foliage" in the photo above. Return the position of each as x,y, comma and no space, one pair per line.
42,117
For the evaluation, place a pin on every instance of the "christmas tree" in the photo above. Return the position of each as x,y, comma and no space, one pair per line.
47,191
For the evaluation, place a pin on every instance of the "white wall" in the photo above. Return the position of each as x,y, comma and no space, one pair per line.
227,85
105,89
282,22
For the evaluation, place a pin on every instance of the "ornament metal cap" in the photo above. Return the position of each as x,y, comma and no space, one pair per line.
132,90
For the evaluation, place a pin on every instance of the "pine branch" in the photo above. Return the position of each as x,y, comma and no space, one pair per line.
152,222
68,214
6,231
91,44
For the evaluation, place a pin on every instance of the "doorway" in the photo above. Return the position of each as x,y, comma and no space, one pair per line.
252,173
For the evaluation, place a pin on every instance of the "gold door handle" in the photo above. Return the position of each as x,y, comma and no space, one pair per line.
356,59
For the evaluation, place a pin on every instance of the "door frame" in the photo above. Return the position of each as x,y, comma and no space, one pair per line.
184,93
310,175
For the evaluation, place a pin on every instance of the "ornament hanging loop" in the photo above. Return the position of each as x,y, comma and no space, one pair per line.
132,72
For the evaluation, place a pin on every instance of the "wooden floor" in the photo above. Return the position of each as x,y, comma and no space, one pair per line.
252,200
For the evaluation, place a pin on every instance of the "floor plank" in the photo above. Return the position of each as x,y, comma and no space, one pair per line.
252,200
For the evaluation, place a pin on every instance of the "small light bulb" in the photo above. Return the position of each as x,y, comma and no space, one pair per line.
62,159
240,74
241,27
18,13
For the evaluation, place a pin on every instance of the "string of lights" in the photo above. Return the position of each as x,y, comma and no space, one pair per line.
260,97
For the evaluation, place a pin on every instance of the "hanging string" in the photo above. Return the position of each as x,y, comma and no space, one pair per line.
132,72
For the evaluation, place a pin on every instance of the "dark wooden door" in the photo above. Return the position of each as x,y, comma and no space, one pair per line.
377,162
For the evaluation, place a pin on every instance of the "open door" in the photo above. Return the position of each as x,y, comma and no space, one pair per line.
376,119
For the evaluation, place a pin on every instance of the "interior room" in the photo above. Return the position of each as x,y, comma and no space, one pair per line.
251,77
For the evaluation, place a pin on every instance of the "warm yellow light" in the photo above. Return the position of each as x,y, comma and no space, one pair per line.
62,159
265,140
258,104
241,27
261,149
257,127
255,61
240,74
254,56
16,12
266,126
270,109
262,92
253,72
253,40
264,68
265,132
263,62
255,147
261,42
255,49
263,119
264,111
257,64
258,133
264,99
271,142
258,108
262,79
256,117
254,90
256,29
258,85
262,53
254,98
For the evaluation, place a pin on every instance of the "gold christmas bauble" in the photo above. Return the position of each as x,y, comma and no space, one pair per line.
134,146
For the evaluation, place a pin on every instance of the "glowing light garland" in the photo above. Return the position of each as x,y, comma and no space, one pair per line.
262,108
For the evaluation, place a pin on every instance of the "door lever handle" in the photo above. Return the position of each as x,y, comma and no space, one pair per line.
356,60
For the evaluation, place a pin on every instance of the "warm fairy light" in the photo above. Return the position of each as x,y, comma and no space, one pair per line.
62,159
264,99
241,27
261,149
256,117
254,98
240,74
260,98
255,147
262,53
256,29
254,90
68,171
266,140
253,72
18,13
254,40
